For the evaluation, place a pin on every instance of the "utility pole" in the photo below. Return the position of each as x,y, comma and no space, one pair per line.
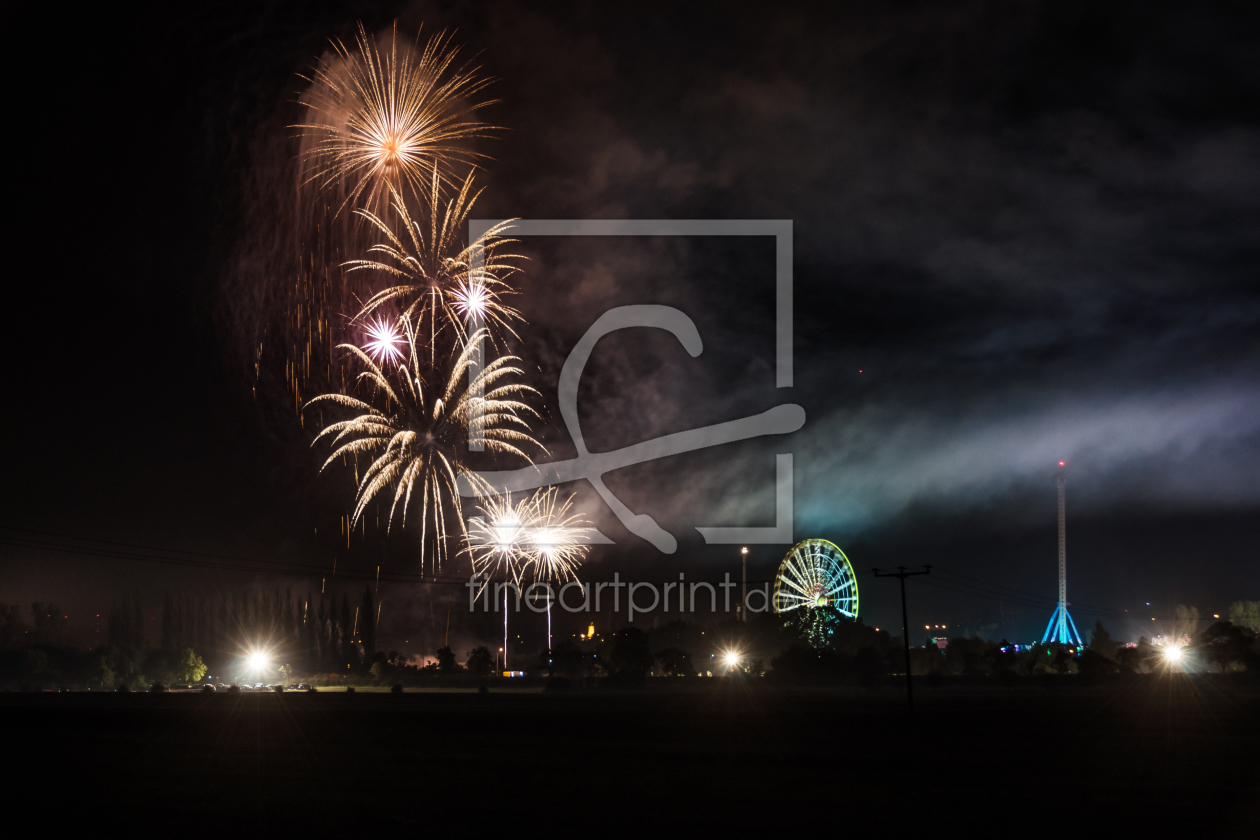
743,592
905,625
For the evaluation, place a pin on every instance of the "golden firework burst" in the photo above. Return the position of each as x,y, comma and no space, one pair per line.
379,120
538,536
443,281
410,431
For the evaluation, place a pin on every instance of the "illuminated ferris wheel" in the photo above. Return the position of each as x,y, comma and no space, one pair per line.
815,574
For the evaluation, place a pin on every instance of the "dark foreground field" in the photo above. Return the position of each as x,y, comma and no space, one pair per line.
1151,758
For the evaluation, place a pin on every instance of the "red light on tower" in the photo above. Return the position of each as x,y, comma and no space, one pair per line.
1063,463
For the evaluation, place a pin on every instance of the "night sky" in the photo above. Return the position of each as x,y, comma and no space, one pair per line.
1023,233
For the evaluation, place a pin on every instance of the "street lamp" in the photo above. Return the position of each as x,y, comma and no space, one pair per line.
257,661
743,592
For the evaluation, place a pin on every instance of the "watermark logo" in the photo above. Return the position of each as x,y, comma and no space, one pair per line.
592,466
640,597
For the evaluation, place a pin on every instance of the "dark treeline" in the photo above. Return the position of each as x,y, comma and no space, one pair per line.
331,640
1222,647
306,633
198,636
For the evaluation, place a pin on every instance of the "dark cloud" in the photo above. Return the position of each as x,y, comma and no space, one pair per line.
1031,229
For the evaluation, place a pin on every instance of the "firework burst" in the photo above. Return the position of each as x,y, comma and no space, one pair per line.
559,539
538,537
385,342
442,281
381,120
498,539
410,432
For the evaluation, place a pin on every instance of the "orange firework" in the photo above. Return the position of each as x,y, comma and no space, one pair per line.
380,120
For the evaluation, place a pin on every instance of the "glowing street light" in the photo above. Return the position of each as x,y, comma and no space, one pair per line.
1173,654
257,661
743,592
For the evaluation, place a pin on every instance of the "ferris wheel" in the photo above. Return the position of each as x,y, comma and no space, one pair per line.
816,574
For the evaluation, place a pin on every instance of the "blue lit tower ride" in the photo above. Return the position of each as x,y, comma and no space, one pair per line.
1062,628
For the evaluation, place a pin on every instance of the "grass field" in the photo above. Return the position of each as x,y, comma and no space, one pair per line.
1150,757
504,688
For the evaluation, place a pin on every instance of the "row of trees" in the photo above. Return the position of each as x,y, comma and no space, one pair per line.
1222,647
197,635
201,635
324,634
626,653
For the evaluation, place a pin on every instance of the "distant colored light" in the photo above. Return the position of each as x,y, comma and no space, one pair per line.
1062,463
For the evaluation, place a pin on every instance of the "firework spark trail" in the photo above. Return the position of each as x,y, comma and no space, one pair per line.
412,433
380,122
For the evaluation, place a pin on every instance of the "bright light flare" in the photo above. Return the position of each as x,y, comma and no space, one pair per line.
472,300
1173,654
559,540
538,534
258,661
385,341
496,539
731,658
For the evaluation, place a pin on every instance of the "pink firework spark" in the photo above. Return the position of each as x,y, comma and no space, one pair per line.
385,341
